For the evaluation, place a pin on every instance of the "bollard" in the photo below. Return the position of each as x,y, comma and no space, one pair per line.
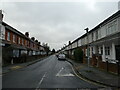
107,65
118,72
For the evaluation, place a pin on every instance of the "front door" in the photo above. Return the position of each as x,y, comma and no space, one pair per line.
117,52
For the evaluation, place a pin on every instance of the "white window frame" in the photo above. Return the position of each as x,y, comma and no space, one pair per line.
92,50
107,51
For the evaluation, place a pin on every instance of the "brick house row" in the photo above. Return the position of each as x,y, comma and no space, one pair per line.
104,44
16,44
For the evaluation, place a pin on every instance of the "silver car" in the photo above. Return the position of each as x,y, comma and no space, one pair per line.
61,57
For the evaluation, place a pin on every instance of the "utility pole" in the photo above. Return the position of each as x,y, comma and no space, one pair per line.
1,16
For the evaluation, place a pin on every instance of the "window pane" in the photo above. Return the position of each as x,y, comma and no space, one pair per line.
14,38
8,36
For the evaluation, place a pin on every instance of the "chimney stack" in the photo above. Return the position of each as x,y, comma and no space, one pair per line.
33,38
27,34
39,43
69,42
36,41
1,15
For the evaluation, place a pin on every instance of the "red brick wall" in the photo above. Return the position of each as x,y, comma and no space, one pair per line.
102,65
94,61
112,67
5,34
11,37
24,42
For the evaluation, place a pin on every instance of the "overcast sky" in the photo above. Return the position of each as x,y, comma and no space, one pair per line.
56,23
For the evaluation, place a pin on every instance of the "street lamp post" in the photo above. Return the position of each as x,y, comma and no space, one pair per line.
64,49
87,47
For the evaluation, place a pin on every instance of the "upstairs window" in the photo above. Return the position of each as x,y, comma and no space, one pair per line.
14,38
22,41
18,40
115,25
96,34
111,28
8,36
99,33
92,37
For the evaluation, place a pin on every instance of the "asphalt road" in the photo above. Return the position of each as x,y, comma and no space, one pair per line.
48,73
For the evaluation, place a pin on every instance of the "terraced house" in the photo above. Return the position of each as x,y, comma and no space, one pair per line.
104,44
18,47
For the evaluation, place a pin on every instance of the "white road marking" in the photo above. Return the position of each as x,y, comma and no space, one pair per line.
63,75
58,74
67,75
41,80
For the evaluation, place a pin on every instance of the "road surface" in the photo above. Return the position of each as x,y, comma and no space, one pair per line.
48,73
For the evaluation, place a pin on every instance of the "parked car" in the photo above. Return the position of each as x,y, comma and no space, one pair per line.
61,57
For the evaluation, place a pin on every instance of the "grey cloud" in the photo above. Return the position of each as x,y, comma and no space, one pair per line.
56,23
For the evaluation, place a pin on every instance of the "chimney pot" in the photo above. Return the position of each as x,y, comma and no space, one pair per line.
27,34
33,38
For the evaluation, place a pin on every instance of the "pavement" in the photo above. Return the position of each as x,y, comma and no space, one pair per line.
13,67
96,75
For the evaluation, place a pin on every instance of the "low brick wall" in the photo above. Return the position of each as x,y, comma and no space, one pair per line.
84,61
102,65
30,58
23,59
97,62
112,67
94,61
109,67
